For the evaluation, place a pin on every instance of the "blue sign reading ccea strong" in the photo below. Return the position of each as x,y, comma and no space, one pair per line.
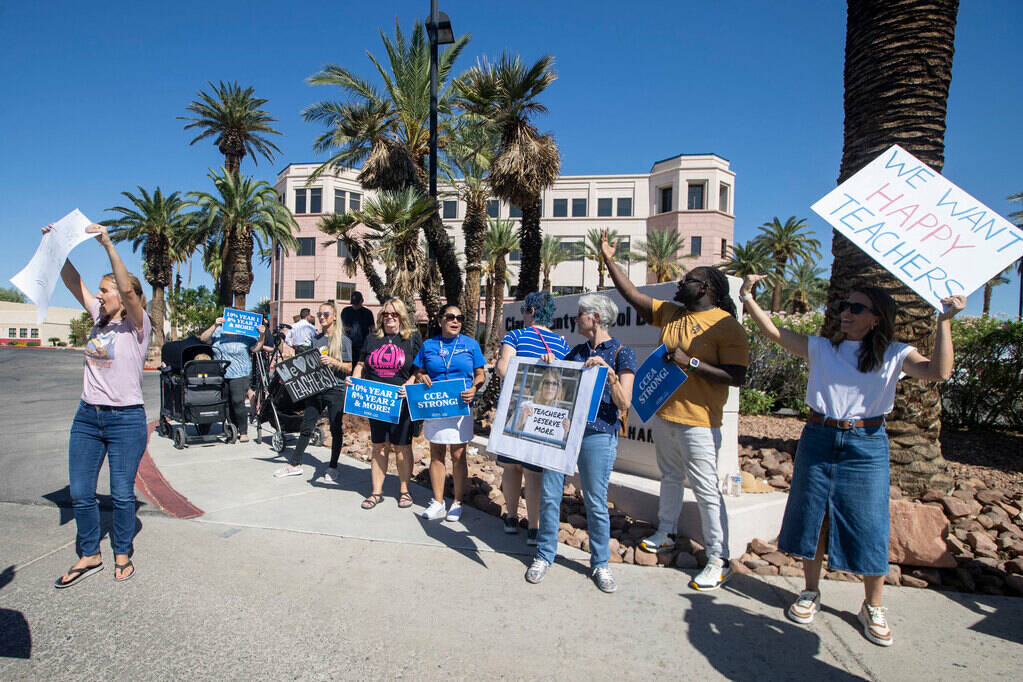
441,399
656,380
374,400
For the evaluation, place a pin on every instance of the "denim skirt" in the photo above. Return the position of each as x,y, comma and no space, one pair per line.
843,473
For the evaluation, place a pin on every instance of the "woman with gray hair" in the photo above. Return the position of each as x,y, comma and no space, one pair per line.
599,445
533,340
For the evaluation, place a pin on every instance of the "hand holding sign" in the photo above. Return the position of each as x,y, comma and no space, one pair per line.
38,279
952,306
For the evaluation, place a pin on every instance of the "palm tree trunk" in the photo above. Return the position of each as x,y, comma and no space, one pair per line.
547,280
487,310
530,240
898,66
375,283
494,338
157,312
474,227
242,276
779,281
988,289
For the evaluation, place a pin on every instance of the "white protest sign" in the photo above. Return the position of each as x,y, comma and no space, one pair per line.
934,237
547,421
38,279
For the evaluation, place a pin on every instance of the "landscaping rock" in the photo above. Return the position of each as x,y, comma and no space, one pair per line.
933,496
982,543
989,496
791,571
894,576
930,575
918,534
753,563
956,507
894,493
645,558
777,559
737,567
912,581
758,546
687,561
766,570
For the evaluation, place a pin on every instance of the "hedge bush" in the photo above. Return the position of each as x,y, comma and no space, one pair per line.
773,371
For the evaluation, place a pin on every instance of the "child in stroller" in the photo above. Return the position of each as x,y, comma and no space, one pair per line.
193,390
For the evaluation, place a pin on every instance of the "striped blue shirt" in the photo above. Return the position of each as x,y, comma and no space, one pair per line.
527,343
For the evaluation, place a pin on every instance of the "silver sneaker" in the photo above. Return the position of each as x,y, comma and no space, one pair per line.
713,575
537,571
605,581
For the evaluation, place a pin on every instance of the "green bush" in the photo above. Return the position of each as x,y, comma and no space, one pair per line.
986,388
755,401
194,310
774,371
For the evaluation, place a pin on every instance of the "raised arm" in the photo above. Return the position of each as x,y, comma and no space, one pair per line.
73,281
643,304
791,341
129,299
939,366
207,335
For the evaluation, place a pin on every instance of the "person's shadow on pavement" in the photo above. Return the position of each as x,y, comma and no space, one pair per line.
15,635
743,645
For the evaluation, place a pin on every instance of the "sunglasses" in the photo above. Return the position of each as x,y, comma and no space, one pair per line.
451,316
394,315
855,308
321,315
687,280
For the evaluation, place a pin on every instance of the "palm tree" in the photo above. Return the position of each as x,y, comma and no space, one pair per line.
552,254
751,258
236,119
242,214
152,222
393,221
500,241
389,134
660,253
989,287
898,66
344,228
1017,219
805,288
591,251
786,242
527,162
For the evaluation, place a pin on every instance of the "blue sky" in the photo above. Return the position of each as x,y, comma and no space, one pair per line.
90,93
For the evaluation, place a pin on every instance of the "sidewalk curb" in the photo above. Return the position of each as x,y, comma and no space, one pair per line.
155,488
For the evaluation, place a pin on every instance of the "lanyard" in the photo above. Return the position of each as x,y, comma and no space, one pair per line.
454,349
542,340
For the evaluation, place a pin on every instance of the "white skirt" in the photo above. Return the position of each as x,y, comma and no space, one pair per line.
448,431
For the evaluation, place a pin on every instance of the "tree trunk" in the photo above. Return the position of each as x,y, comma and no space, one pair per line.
898,66
225,297
988,289
494,337
600,275
547,280
474,227
157,314
241,275
430,294
488,307
530,240
375,283
779,281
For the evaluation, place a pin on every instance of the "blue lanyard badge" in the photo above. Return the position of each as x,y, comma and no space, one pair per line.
443,352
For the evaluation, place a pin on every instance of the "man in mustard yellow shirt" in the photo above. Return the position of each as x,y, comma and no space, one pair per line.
703,336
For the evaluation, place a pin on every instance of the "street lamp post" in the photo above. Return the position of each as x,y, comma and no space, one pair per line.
438,26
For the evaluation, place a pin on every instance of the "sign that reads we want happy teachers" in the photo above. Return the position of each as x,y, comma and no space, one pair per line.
933,236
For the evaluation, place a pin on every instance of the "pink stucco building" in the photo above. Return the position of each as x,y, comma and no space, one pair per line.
692,194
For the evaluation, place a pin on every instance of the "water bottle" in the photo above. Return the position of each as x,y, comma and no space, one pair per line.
735,484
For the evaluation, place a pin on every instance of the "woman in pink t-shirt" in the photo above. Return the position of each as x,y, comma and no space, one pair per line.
111,419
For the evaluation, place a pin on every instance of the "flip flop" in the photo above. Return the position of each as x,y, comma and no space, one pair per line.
123,576
372,501
405,500
78,574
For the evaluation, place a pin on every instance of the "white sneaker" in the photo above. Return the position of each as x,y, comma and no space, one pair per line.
875,624
435,511
455,513
658,542
331,475
713,575
288,471
805,607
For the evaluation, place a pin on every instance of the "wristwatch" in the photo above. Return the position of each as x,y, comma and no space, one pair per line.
694,362
746,297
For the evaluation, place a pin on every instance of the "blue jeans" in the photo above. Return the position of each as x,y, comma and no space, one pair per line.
596,460
120,434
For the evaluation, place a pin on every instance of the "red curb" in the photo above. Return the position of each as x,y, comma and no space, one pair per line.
155,488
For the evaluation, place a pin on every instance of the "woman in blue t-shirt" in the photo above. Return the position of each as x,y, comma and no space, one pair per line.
449,355
534,340
236,349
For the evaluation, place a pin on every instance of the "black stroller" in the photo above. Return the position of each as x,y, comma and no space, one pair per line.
275,407
193,392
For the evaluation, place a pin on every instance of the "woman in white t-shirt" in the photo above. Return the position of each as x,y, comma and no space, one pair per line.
838,503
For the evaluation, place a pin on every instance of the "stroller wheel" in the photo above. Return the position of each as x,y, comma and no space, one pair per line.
164,427
317,437
277,442
179,437
230,432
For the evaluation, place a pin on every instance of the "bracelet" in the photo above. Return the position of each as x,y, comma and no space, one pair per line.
747,297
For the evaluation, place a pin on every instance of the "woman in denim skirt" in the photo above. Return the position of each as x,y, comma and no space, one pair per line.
111,419
838,503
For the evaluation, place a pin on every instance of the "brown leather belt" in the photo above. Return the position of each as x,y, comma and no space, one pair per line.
844,424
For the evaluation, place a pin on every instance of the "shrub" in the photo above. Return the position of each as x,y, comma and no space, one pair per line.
754,401
987,381
773,370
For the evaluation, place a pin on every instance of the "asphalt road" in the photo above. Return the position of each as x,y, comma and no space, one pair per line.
39,393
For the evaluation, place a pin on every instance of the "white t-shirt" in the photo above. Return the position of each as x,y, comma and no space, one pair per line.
838,389
301,334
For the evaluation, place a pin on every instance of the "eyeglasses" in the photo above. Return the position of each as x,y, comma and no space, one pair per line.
854,308
552,383
451,316
391,315
322,315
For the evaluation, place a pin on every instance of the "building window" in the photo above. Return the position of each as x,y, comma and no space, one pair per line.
604,207
696,200
306,246
665,199
23,332
339,201
515,255
623,248
573,248
514,211
344,291
450,210
561,208
723,190
316,200
578,208
696,246
724,248
35,333
354,201
493,208
12,332
567,291
624,206
305,288
299,201
342,250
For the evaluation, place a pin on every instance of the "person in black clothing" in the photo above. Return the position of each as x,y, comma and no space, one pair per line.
387,357
357,322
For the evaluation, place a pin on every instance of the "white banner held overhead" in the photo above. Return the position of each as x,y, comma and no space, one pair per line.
38,279
934,237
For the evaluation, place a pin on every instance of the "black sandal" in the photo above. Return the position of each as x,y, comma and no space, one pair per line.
78,574
405,500
123,567
372,501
